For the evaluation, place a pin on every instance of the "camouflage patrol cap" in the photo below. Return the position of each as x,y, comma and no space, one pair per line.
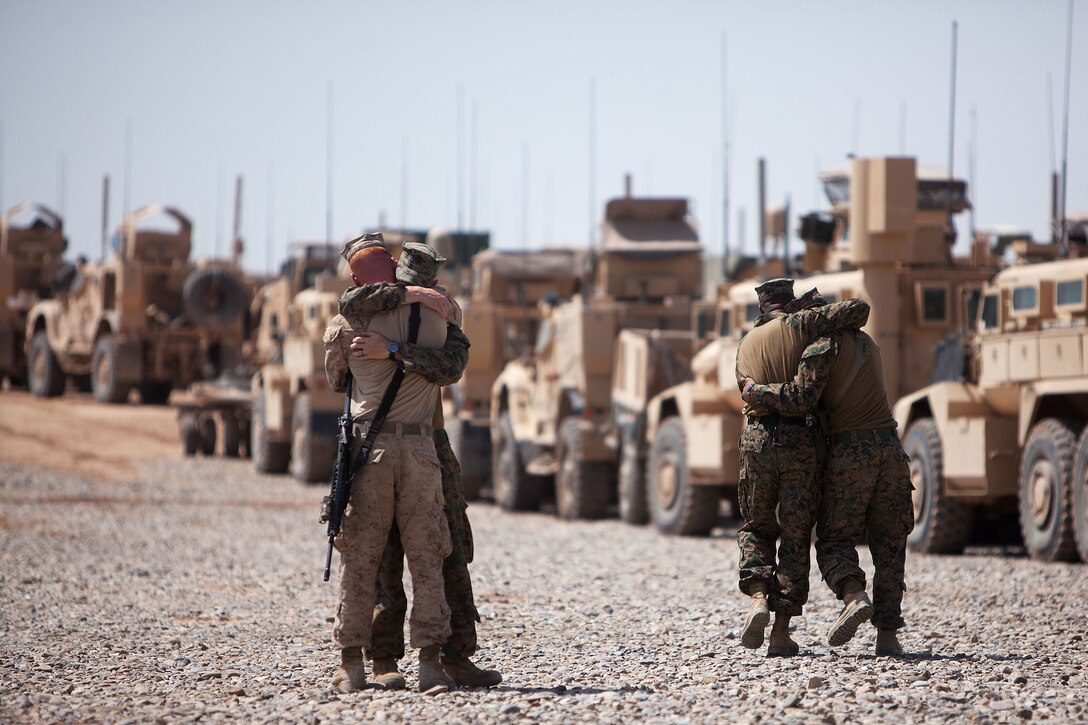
353,247
418,264
772,289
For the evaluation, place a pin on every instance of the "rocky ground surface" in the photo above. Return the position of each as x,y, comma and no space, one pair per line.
191,590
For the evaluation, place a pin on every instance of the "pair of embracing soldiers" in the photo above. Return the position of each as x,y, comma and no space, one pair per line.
407,500
805,362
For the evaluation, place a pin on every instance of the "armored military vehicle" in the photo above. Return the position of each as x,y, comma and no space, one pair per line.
501,319
1004,430
294,410
888,230
30,260
147,318
550,412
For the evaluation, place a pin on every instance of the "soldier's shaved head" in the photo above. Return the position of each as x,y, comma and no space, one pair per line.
371,265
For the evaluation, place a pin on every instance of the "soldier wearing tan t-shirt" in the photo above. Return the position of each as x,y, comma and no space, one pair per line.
400,482
866,487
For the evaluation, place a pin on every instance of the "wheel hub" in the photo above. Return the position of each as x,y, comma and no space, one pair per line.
666,482
1042,492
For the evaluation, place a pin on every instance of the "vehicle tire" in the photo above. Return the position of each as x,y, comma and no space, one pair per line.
190,436
46,379
1046,491
582,488
155,393
232,437
942,524
312,455
207,436
213,298
515,490
634,508
104,383
676,505
1080,497
269,456
471,446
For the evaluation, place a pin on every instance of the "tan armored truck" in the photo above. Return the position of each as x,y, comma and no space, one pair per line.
1005,429
294,410
888,230
30,260
501,319
550,413
147,318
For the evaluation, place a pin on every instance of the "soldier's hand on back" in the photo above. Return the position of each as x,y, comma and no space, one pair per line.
431,299
369,346
747,389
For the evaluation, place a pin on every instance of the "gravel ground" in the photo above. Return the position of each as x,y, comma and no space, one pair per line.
192,591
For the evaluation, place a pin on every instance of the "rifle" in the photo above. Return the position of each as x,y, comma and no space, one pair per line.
345,470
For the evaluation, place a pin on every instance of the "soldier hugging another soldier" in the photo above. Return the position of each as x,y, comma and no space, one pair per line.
406,499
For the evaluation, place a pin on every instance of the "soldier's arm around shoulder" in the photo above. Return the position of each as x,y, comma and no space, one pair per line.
850,314
440,366
336,339
800,395
372,299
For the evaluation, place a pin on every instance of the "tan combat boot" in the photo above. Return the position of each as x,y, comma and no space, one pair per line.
432,678
781,645
856,609
466,674
387,675
352,673
887,644
759,616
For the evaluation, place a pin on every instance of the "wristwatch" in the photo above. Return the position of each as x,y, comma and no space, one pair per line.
393,348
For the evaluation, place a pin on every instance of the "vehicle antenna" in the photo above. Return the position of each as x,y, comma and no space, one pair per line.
1065,128
952,131
237,246
1054,188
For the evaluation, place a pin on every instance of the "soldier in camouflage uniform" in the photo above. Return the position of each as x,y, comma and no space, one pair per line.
779,483
416,277
867,487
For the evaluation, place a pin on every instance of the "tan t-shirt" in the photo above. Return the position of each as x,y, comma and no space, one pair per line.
417,398
768,354
861,403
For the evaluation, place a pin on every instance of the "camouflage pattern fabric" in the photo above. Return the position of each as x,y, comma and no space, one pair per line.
779,490
388,633
867,490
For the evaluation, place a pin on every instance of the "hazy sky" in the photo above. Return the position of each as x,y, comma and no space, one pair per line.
215,89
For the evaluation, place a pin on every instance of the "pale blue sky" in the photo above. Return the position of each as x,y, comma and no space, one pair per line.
219,88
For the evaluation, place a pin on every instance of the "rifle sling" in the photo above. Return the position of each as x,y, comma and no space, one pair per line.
387,399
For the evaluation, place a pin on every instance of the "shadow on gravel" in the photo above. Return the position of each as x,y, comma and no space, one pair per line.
942,656
565,691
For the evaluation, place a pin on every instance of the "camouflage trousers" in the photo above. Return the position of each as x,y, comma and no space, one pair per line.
779,491
388,634
400,484
867,490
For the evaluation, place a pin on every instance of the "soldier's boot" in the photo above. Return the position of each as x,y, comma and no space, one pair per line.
759,616
433,680
781,644
856,609
465,673
352,673
887,644
387,675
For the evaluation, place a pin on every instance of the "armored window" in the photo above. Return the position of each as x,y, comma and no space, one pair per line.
1070,292
934,304
988,321
1024,298
703,323
751,311
725,323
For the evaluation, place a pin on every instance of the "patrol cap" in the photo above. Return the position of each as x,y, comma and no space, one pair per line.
353,247
418,264
773,289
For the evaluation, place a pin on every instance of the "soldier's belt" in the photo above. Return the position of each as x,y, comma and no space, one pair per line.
774,420
397,430
862,436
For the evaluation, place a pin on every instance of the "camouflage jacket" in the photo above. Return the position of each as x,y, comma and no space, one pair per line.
441,366
801,395
814,323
